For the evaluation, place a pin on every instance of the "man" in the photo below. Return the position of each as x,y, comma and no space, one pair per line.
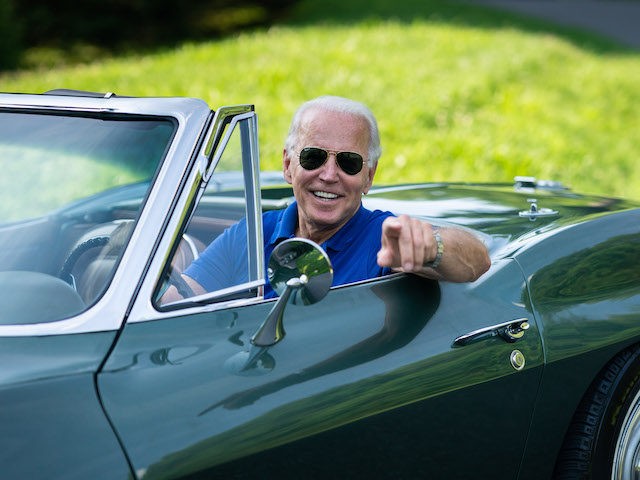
330,158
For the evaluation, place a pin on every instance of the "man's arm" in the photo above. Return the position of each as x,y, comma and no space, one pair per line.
172,294
410,245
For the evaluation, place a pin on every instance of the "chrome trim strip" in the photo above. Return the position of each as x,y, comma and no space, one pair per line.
52,107
219,123
206,297
214,157
492,329
251,170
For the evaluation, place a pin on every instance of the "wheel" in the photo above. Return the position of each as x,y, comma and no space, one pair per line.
626,461
603,441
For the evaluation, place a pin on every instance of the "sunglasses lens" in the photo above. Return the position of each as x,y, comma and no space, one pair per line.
350,162
312,158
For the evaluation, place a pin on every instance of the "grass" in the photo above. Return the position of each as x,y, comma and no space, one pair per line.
462,93
85,178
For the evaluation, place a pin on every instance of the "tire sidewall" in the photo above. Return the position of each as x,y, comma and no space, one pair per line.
616,392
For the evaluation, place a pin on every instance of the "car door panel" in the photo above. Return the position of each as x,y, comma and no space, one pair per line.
370,363
53,425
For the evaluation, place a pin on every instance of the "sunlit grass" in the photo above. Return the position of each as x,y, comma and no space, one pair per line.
459,96
30,186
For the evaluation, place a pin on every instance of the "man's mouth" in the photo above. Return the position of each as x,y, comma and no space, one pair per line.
325,195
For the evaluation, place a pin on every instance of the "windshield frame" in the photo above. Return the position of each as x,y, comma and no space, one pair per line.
190,117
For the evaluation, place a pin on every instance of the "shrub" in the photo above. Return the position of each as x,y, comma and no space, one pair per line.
10,45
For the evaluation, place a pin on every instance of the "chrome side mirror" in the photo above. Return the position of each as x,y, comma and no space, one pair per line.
301,273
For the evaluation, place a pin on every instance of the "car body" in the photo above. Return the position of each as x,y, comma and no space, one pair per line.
106,198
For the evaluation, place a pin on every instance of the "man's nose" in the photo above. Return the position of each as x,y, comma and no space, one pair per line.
330,168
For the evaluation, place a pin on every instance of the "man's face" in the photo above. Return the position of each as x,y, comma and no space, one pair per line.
327,196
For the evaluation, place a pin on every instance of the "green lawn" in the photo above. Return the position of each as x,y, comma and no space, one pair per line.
461,93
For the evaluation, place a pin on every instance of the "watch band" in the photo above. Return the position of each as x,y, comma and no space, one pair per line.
439,252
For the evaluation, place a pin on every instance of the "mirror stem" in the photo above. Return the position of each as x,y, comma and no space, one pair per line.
272,329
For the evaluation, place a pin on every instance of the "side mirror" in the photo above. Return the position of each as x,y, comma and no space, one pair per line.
301,273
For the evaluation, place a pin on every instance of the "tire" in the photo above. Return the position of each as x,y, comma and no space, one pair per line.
604,435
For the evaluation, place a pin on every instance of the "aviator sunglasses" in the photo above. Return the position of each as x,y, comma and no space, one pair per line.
314,157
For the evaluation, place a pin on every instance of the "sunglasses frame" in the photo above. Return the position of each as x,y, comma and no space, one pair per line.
339,159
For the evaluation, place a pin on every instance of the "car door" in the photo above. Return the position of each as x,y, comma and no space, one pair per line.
398,377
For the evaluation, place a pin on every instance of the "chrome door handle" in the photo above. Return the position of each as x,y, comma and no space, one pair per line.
510,331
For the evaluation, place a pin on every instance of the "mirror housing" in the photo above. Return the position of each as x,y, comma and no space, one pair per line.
300,273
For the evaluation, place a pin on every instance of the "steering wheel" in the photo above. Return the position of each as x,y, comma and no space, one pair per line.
109,239
175,279
76,253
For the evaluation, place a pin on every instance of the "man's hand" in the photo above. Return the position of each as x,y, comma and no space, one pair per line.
408,244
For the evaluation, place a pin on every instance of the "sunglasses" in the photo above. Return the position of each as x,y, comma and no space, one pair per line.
314,157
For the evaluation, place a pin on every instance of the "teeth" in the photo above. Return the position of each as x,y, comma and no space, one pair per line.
325,195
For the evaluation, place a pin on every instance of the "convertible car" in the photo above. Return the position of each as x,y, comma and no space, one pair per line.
530,372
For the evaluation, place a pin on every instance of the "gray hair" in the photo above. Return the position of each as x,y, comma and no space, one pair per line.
342,105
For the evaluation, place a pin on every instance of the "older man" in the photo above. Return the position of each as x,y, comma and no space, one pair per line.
330,158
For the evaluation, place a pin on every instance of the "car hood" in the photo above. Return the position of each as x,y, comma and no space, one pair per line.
499,212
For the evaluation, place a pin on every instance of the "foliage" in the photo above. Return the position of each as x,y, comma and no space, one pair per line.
10,45
462,93
56,31
141,22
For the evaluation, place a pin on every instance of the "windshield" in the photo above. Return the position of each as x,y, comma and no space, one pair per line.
48,161
71,189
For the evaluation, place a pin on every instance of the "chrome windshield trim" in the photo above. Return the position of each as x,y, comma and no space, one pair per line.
53,107
110,311
169,107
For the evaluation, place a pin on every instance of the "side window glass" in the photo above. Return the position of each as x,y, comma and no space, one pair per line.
212,254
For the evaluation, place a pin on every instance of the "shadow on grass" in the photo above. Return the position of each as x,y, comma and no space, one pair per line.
457,13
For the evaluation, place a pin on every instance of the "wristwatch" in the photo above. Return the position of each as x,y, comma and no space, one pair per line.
439,252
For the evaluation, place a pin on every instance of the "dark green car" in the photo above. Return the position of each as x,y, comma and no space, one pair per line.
530,372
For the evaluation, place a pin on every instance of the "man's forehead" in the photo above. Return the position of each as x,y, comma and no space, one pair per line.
338,125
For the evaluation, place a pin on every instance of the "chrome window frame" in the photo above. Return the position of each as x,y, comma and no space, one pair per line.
143,308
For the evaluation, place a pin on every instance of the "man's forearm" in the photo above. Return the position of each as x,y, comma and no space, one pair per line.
464,258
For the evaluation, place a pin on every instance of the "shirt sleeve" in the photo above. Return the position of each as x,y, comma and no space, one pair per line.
224,262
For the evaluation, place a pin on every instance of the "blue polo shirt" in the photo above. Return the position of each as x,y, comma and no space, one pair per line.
352,250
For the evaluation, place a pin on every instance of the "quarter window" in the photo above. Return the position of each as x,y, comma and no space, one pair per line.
215,255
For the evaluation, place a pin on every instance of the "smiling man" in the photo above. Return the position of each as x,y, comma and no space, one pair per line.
328,163
330,158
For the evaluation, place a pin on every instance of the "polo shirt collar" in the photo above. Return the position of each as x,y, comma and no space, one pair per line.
345,236
286,228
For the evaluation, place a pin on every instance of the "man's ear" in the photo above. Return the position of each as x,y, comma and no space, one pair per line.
286,165
370,174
